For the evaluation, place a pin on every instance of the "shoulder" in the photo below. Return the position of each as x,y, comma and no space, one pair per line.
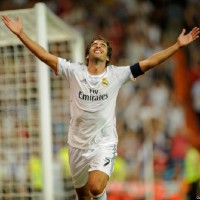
67,67
118,68
67,63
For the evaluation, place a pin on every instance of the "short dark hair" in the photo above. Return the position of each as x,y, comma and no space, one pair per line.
109,48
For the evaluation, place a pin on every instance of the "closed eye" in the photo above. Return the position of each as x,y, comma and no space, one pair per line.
95,44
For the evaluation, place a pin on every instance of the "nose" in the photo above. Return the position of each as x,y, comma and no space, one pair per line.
98,47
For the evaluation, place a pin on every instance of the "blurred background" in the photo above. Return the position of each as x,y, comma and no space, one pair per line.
158,115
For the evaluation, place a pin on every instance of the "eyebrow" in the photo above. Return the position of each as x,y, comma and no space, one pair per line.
102,43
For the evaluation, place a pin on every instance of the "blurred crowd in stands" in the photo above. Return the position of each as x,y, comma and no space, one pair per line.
163,106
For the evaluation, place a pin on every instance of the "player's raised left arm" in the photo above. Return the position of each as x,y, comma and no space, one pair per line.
157,58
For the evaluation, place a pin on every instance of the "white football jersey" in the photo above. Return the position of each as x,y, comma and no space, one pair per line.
92,103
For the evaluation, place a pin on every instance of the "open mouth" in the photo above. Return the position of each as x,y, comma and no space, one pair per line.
97,51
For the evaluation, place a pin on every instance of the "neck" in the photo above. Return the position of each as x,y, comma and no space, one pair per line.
96,67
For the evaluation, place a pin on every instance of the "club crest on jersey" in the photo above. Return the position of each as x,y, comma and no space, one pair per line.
104,82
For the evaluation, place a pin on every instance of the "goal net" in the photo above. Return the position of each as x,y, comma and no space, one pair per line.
33,154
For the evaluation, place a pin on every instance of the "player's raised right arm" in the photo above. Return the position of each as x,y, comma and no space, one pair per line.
17,28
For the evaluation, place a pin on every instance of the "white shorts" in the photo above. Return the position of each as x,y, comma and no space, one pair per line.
82,161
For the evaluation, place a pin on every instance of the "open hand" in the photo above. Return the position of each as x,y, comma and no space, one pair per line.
14,26
184,40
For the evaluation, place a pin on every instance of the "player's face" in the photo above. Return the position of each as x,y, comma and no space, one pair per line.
99,49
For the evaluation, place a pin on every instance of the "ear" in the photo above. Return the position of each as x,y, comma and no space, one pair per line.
87,56
107,59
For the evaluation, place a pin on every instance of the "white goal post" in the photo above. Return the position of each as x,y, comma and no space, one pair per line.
27,96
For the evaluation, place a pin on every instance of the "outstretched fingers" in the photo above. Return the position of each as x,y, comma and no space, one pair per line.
14,25
6,18
195,33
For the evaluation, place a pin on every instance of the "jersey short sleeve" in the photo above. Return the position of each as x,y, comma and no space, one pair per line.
64,67
123,74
